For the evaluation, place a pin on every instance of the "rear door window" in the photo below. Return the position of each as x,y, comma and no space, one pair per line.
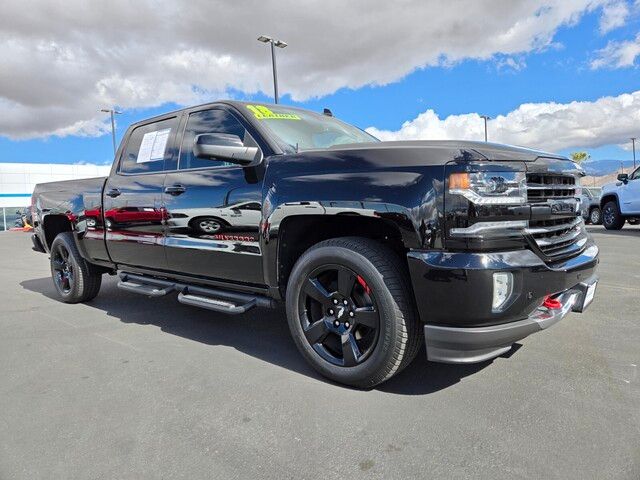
150,148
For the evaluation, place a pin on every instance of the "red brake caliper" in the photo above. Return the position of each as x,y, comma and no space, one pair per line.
364,285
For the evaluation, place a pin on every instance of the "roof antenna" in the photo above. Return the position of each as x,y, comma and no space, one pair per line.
327,112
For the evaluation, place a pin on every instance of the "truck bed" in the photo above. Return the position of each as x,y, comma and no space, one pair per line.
71,199
69,195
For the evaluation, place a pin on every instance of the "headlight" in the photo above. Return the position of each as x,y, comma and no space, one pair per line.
490,188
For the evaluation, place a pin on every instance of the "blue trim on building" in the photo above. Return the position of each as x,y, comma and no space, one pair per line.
9,195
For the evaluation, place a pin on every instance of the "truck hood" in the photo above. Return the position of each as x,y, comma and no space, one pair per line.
609,187
472,150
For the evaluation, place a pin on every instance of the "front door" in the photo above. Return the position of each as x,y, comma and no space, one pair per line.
630,194
213,208
133,211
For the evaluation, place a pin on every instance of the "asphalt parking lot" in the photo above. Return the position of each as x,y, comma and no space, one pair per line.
128,387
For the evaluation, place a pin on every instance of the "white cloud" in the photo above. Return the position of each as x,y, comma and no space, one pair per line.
511,64
617,54
547,126
62,60
614,15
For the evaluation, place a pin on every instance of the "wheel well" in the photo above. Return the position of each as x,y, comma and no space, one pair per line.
608,198
53,225
299,233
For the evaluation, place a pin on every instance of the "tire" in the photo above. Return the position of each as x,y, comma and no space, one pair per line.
207,225
74,279
611,218
380,289
595,216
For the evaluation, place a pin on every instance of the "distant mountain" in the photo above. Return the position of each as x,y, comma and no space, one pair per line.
598,168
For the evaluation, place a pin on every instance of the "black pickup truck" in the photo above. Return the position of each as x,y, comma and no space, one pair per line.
374,247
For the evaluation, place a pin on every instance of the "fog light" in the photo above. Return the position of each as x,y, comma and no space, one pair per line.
502,289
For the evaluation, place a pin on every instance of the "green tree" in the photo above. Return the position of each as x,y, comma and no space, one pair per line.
580,157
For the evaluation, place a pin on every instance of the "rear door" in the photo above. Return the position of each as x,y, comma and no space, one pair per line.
132,200
214,207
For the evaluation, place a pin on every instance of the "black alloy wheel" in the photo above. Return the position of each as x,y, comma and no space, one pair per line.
351,311
74,278
611,218
63,268
339,315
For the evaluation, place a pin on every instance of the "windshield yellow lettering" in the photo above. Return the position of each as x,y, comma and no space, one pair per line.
261,112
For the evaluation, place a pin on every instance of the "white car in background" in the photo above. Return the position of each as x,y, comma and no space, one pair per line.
590,205
209,221
620,201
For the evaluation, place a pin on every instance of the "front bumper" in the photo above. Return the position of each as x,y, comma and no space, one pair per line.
453,293
472,345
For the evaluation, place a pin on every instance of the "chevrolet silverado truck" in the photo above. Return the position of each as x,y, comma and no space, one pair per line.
374,247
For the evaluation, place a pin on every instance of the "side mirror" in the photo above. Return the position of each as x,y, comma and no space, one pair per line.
623,177
224,146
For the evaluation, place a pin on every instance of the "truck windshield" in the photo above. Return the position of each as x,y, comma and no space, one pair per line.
299,130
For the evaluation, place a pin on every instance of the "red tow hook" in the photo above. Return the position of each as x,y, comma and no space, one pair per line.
551,303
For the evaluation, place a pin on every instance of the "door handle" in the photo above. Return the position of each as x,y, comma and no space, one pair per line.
175,190
114,192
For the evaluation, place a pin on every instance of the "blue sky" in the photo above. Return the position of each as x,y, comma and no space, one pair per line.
559,72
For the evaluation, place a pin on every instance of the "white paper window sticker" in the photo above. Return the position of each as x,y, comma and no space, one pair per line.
153,146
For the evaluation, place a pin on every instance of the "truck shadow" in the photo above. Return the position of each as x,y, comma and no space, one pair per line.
261,333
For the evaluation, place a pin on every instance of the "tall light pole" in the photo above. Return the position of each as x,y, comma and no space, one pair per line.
485,117
112,112
633,146
274,43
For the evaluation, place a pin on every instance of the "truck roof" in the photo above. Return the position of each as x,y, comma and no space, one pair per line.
494,151
234,103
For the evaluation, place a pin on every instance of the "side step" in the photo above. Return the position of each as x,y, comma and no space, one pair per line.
148,290
215,304
218,300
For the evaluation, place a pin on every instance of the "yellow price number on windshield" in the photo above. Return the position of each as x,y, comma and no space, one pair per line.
261,112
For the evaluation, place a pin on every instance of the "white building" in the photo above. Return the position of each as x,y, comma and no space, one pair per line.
18,179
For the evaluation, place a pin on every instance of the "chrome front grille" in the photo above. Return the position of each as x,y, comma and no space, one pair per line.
542,187
556,236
